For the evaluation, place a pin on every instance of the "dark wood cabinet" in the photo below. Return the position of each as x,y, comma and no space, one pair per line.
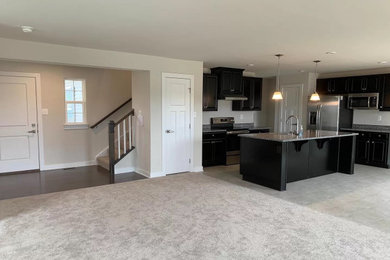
229,81
384,94
214,149
210,92
372,149
345,85
252,89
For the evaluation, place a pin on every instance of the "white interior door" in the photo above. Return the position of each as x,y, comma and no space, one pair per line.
290,105
18,124
176,124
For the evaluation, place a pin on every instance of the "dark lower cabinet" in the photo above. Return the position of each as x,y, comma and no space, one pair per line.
252,89
372,149
214,149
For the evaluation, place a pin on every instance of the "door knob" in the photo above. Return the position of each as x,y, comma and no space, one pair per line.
32,132
169,131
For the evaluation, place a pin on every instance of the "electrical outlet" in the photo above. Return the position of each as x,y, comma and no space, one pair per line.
379,118
241,116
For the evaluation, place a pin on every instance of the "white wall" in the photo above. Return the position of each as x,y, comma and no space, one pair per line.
105,90
365,117
60,54
225,109
266,116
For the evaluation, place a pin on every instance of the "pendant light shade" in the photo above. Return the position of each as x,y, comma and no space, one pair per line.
277,94
315,96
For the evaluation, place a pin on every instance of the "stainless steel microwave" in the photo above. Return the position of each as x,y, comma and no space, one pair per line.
363,101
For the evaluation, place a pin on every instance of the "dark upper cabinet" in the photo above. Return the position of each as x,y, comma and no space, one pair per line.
332,86
229,81
210,92
252,89
365,84
384,94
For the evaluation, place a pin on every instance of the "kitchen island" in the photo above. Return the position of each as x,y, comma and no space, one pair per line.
273,160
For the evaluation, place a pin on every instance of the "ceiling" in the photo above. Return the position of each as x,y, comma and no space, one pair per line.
230,33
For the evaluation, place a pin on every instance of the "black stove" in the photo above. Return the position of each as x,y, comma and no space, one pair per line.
232,138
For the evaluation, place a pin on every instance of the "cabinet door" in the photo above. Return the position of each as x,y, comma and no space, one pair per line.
339,85
257,94
208,153
246,89
236,83
322,86
384,97
219,147
374,83
225,84
210,88
362,150
379,151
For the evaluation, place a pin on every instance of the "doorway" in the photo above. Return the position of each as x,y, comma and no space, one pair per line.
290,105
177,96
19,142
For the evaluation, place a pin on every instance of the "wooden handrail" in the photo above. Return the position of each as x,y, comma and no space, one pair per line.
111,113
131,113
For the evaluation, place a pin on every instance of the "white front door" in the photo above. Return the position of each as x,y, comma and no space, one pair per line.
176,124
290,105
18,124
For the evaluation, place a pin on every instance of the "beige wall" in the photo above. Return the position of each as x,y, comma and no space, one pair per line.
266,116
59,54
106,89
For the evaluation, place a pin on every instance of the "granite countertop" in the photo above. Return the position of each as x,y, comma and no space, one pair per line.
368,128
307,135
207,128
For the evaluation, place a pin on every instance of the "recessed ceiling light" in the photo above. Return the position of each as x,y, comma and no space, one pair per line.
330,52
250,65
27,29
382,62
301,71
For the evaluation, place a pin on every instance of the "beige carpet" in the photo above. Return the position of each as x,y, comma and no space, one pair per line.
186,216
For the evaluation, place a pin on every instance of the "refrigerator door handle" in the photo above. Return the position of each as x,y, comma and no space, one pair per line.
319,127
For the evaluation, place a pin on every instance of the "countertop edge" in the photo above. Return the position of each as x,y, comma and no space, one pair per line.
254,136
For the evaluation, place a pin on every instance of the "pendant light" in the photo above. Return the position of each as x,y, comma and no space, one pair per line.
315,96
277,94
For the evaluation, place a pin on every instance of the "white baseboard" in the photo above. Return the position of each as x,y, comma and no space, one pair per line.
67,165
157,174
197,169
124,170
142,172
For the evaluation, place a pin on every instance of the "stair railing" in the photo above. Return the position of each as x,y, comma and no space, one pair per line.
120,141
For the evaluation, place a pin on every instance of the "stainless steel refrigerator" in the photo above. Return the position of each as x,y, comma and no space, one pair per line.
330,113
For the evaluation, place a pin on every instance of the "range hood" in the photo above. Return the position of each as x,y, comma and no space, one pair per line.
239,98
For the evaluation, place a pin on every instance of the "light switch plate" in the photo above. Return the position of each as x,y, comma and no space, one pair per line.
45,111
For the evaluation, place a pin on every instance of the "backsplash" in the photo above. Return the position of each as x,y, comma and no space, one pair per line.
371,117
225,109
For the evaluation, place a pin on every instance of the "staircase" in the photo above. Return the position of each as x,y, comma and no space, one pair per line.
120,143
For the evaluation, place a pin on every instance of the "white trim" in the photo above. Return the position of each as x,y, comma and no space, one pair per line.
67,165
197,169
157,174
37,77
192,119
142,172
71,126
120,170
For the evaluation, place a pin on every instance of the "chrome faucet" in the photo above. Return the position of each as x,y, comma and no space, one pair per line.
296,132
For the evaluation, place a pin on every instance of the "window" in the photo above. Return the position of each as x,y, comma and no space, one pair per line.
75,102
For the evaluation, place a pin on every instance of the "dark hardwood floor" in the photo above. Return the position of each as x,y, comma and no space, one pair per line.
33,183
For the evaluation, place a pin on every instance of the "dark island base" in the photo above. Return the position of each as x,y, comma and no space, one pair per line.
274,164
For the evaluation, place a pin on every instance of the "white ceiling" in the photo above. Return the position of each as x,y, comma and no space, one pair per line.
230,33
